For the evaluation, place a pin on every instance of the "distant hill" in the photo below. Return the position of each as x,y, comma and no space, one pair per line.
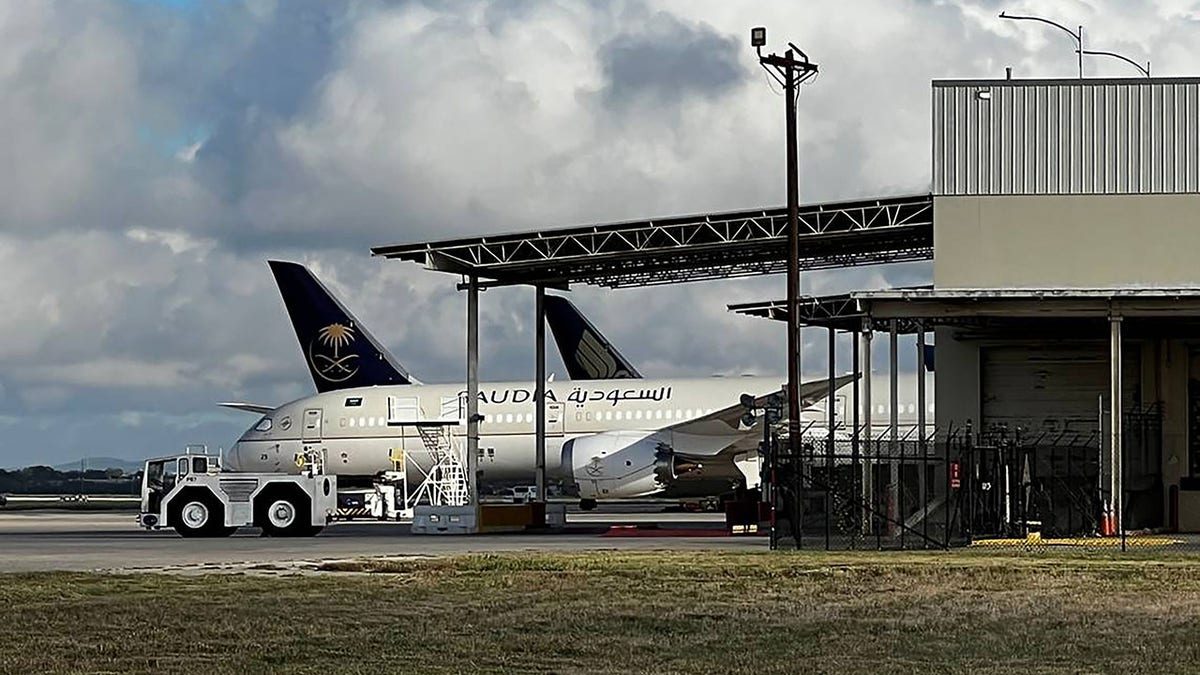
126,465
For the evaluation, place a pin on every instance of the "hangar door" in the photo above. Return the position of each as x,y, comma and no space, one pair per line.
1051,387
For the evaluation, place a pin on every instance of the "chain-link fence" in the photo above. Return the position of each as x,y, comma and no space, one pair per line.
846,493
961,487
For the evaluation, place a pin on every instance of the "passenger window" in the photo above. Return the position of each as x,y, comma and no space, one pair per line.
199,465
183,466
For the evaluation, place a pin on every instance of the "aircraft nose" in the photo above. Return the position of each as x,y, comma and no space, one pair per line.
233,457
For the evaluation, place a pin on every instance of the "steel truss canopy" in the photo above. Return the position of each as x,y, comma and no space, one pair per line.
845,312
687,248
925,307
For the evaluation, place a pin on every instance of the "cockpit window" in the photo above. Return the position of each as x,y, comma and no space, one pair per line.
263,425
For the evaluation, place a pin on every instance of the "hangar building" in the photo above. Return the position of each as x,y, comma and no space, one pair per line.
1065,236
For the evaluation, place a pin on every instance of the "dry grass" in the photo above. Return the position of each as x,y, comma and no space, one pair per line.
662,612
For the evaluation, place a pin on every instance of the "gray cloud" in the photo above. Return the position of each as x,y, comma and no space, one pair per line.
667,60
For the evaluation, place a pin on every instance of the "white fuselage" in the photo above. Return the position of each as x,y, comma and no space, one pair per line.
359,428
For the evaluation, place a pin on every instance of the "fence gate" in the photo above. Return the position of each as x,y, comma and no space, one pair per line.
848,494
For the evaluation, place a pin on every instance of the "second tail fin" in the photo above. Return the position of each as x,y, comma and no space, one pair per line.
587,354
340,353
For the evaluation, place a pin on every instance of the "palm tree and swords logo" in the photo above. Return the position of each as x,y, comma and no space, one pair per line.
325,353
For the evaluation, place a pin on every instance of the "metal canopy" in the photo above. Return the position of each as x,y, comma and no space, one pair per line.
843,312
688,248
1052,303
912,308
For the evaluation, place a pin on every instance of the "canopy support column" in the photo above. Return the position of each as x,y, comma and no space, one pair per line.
868,488
473,416
539,396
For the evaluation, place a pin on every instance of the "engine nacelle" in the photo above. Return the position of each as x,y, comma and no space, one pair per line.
623,464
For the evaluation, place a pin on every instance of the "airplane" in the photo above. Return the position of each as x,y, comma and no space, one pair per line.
613,438
586,353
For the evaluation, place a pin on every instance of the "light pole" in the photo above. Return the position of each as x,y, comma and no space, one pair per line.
791,73
1076,35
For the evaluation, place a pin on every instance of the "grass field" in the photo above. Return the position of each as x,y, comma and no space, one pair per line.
661,612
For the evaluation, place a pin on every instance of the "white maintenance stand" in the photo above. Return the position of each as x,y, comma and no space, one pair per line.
431,485
446,499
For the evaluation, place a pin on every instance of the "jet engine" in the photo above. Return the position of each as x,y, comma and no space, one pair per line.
624,464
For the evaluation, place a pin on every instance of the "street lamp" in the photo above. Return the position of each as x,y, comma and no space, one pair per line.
1077,35
791,72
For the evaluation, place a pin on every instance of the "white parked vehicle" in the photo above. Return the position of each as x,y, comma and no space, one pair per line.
523,494
190,493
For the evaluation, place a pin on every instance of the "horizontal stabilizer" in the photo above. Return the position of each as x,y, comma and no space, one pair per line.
255,408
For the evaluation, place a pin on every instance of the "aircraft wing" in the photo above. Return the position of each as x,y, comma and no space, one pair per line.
255,408
728,421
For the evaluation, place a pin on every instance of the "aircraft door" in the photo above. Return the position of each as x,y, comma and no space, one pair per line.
554,419
312,425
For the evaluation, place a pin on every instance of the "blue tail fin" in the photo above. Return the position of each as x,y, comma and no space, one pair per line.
338,349
587,353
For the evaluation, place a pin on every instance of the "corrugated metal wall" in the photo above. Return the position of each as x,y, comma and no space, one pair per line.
1048,387
1031,137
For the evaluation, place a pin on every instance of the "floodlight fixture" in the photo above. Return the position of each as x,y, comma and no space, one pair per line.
758,36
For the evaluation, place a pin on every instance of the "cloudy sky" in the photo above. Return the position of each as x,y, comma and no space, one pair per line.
154,153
